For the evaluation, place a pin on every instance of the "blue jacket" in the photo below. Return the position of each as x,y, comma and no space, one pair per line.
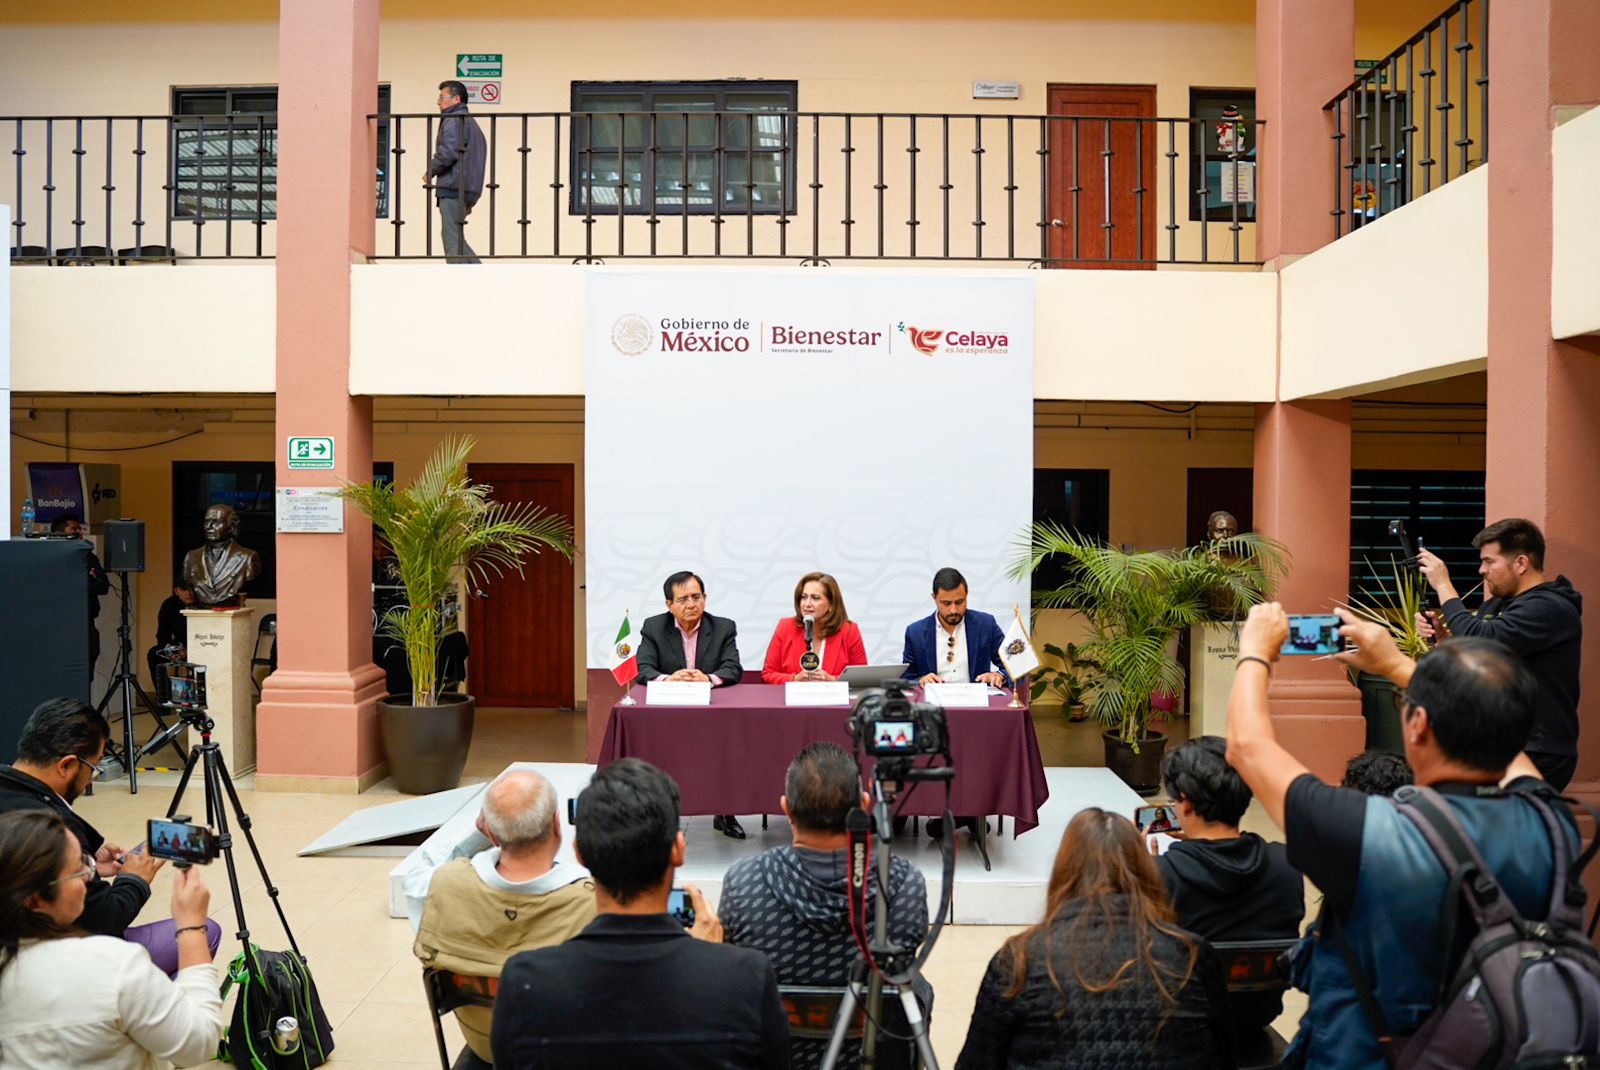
983,647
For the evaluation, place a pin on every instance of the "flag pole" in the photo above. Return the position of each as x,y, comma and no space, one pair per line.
1016,703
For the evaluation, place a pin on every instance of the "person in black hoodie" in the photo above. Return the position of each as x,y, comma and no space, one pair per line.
790,902
1226,884
1540,619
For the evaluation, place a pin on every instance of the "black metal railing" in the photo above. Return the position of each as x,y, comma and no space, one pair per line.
1416,120
806,187
140,189
815,187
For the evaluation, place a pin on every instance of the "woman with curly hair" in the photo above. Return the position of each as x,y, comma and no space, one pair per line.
1107,979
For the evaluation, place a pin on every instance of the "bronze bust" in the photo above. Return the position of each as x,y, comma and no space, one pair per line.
1221,525
219,570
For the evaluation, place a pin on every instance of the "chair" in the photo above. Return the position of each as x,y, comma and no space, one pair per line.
82,256
448,991
268,629
147,254
30,254
812,1009
1251,966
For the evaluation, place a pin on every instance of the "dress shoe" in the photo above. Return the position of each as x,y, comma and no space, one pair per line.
729,826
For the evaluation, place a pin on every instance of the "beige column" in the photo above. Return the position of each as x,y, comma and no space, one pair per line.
317,722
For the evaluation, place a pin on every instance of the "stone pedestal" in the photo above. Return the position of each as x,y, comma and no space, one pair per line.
224,641
1214,654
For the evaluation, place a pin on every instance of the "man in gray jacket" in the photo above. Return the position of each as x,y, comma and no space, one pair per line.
455,170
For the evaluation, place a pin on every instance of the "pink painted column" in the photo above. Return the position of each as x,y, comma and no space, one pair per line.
317,722
1305,53
1543,443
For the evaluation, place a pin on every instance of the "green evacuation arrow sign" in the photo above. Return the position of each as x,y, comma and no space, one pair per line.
479,64
311,452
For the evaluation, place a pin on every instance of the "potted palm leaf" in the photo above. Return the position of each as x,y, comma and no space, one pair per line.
443,529
1394,603
1135,604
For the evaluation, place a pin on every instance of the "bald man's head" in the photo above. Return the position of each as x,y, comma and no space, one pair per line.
519,810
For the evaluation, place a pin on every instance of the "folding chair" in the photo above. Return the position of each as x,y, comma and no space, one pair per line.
447,991
1252,966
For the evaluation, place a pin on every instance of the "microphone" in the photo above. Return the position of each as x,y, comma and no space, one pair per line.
810,623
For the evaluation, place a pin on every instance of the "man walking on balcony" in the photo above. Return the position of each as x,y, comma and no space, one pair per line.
456,170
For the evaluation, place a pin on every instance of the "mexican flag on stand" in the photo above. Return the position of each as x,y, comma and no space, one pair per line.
624,658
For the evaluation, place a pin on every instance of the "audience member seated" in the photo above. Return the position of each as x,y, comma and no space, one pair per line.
58,756
68,998
512,897
634,988
1107,979
172,637
1469,707
1376,772
835,639
1226,884
790,902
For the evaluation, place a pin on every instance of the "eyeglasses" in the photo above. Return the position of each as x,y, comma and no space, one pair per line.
689,600
83,874
950,651
1402,701
94,770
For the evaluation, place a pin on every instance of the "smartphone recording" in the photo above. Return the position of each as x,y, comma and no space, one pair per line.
1313,635
181,841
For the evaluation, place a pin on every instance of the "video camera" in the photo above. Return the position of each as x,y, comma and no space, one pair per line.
887,724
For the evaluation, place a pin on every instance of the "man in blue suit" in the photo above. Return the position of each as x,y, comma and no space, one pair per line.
954,644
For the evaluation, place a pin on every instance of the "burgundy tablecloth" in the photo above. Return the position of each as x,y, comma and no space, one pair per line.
731,757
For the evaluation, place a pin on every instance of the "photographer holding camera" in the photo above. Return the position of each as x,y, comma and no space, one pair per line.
58,756
69,998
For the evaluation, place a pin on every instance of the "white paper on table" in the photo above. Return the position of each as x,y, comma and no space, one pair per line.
677,693
816,693
957,695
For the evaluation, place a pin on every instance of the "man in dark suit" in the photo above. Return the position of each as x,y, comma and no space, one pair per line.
687,643
635,988
954,645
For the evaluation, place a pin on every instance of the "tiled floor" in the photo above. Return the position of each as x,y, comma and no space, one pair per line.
369,981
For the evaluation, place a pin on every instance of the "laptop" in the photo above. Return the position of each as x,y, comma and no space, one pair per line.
863,677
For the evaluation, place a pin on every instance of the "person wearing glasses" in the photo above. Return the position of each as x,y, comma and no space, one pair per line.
58,757
72,998
687,643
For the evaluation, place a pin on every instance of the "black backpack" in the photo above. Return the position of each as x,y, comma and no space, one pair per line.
1523,993
274,985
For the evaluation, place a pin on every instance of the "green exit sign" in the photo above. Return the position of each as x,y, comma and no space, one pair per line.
311,452
1365,65
480,64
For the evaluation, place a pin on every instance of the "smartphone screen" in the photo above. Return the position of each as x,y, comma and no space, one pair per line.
680,906
1317,634
179,841
1156,818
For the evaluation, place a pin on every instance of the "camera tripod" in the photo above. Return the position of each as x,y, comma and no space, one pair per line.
219,795
892,970
125,682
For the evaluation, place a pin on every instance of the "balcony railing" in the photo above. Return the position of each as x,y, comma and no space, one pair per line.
808,188
1409,123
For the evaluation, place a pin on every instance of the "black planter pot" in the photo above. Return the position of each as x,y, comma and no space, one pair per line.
427,745
1379,709
1141,771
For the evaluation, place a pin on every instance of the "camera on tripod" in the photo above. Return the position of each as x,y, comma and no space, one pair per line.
887,724
186,684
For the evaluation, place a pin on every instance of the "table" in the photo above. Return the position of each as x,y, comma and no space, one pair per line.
731,757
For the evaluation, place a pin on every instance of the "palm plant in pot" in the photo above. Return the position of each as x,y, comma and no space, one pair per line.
1394,602
443,529
1135,604
1068,686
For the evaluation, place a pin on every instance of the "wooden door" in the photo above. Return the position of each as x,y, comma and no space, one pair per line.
1102,176
1211,489
521,633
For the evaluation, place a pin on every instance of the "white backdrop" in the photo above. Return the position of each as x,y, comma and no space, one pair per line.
719,441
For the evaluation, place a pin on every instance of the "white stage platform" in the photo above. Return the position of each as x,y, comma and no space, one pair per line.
1011,893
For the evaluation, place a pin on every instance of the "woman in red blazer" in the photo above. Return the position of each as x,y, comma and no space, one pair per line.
835,638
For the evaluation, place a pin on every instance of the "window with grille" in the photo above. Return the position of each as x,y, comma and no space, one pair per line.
224,153
1441,510
709,147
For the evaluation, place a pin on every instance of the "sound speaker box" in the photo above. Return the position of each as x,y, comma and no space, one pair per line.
44,631
124,541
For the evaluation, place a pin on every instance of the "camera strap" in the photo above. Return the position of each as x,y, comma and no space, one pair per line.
858,872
